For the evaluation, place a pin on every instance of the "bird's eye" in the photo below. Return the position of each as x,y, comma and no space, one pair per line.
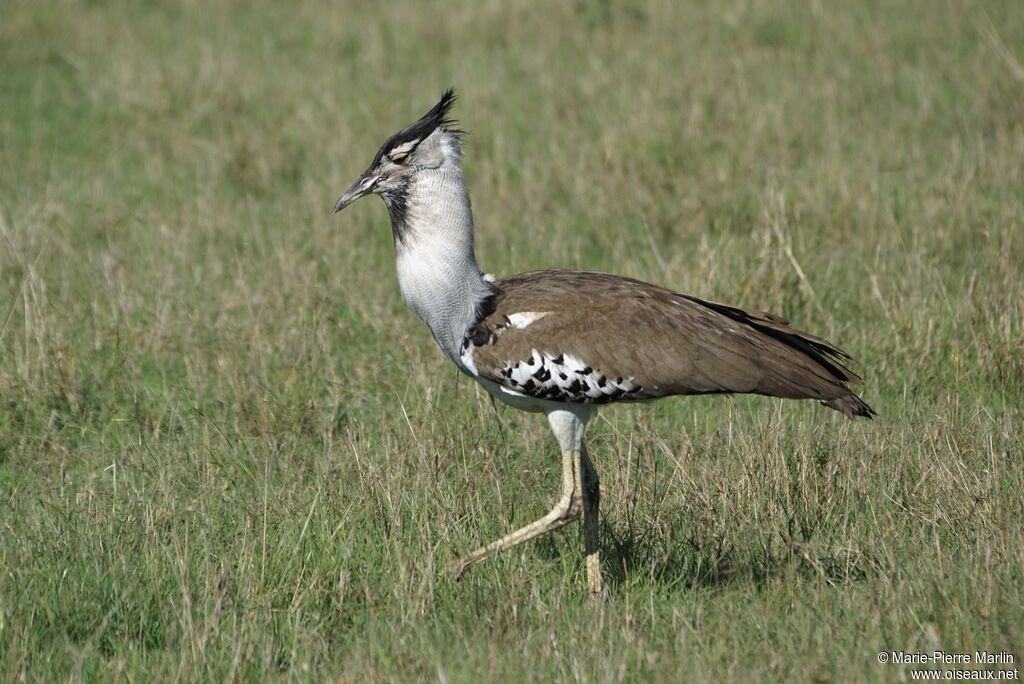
398,156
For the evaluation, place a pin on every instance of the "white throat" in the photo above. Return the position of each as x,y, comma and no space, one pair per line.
437,270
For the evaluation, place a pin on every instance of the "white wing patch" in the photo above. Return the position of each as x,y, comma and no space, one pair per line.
566,378
466,356
525,318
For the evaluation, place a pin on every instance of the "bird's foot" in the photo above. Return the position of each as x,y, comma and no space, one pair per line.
457,569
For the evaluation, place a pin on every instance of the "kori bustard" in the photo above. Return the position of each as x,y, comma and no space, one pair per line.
565,342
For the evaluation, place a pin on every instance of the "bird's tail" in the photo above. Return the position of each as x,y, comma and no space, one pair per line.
851,406
821,353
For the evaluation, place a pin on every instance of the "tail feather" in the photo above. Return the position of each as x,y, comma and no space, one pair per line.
851,406
826,355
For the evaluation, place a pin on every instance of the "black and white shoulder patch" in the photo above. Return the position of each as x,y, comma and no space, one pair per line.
561,377
566,378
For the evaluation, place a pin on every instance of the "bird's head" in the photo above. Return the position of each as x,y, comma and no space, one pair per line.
422,147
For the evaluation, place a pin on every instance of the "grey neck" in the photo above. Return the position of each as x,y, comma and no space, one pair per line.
437,270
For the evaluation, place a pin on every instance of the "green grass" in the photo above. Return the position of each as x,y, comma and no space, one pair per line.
227,451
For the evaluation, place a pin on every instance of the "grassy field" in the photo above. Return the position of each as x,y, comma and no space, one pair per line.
227,451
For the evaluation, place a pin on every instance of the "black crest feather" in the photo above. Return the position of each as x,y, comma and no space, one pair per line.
437,117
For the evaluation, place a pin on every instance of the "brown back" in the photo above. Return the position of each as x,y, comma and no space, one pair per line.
658,341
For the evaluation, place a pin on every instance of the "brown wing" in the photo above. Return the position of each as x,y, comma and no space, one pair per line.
592,337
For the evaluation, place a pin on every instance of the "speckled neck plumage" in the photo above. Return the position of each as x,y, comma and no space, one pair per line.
437,270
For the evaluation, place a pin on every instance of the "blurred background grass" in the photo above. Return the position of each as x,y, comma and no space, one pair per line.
227,451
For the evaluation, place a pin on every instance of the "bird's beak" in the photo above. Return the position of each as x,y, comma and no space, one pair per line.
363,185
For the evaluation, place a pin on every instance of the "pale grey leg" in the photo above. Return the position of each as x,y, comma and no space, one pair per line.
568,509
591,486
568,423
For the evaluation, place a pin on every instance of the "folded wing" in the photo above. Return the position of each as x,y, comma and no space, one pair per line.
588,337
